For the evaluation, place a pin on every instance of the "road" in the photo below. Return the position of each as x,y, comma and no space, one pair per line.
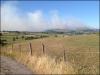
12,67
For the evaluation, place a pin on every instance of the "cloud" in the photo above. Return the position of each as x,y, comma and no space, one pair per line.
74,24
36,21
12,18
56,20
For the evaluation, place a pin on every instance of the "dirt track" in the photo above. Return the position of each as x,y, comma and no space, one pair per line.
12,67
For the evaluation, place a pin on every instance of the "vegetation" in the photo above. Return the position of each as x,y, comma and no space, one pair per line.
14,36
64,54
3,42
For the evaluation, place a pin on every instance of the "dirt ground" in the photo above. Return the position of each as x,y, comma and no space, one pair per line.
11,66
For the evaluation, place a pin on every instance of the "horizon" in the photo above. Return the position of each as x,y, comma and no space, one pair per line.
43,15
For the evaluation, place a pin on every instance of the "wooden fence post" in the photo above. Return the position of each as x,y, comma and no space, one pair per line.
43,48
6,48
64,55
20,48
12,47
31,49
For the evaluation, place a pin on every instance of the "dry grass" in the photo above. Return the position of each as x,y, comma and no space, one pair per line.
47,65
43,64
82,55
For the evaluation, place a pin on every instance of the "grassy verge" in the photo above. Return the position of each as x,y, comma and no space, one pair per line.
41,64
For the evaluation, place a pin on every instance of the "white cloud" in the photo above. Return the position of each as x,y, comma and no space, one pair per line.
36,21
56,20
73,23
12,19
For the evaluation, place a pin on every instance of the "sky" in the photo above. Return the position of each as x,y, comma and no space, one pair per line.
43,15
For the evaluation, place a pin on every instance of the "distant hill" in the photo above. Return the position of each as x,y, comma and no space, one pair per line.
87,30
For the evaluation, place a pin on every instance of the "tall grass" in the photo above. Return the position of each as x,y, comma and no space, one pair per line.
47,65
42,64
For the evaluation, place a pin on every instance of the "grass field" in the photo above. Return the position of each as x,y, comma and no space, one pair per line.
81,54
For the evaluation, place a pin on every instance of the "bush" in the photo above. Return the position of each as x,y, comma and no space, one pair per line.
35,37
56,36
14,39
23,37
30,38
0,34
3,42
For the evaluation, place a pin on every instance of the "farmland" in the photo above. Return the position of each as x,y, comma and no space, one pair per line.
60,54
49,37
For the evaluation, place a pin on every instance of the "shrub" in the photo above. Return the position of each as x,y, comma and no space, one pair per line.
3,42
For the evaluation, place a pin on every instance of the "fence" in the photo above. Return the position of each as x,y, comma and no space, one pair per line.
47,49
30,48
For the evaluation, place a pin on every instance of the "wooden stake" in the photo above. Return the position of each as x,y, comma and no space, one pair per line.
64,55
43,48
20,48
31,49
12,47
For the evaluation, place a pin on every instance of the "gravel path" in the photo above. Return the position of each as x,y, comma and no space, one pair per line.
12,67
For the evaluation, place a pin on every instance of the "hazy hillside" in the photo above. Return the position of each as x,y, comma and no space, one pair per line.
88,30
